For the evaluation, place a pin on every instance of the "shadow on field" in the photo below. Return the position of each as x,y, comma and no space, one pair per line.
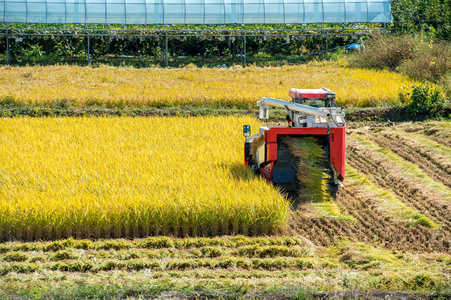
239,171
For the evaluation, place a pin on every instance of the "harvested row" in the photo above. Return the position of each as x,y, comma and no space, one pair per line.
378,228
373,223
369,162
95,266
216,262
440,132
362,280
230,242
371,226
438,170
158,254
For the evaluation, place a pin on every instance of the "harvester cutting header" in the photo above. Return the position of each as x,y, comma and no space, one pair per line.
312,114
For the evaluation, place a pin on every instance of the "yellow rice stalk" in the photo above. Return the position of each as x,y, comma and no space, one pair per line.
131,177
159,87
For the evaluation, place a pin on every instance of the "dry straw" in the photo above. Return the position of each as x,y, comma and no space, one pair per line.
311,168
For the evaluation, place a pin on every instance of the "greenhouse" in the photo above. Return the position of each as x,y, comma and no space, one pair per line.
194,11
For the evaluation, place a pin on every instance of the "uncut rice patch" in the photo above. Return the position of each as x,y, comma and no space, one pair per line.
311,162
131,177
223,87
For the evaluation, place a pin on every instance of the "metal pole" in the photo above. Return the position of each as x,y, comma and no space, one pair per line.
88,51
166,52
8,59
327,46
244,50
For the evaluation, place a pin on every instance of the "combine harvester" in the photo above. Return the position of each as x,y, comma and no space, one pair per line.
312,116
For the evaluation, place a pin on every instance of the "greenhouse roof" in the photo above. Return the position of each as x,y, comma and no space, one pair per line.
194,11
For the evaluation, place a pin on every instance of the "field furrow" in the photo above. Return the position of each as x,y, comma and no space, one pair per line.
371,225
439,132
368,162
378,228
422,157
437,139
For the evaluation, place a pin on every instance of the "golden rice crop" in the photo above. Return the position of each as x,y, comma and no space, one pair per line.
124,177
158,87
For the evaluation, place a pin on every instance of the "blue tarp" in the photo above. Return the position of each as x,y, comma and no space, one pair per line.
353,47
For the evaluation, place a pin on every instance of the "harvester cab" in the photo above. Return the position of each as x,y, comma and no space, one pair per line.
311,115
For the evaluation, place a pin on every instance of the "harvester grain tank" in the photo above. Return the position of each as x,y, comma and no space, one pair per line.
311,113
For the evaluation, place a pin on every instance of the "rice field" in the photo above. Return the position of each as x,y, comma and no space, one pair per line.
121,207
131,177
220,87
385,234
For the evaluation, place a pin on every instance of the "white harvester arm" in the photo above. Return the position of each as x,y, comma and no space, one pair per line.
265,102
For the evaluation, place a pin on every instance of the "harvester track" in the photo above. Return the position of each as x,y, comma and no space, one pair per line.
372,223
377,226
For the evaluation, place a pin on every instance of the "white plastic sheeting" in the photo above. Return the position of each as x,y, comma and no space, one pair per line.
195,11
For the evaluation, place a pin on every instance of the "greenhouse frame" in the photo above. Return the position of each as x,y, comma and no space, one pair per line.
147,12
178,19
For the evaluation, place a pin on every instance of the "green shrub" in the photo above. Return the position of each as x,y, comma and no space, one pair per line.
423,101
413,56
385,52
430,62
434,16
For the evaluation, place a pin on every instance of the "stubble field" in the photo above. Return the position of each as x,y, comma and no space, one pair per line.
388,228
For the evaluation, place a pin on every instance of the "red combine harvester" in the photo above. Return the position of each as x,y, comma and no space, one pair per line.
312,112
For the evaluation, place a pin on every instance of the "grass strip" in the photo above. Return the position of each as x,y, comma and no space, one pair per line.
331,209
